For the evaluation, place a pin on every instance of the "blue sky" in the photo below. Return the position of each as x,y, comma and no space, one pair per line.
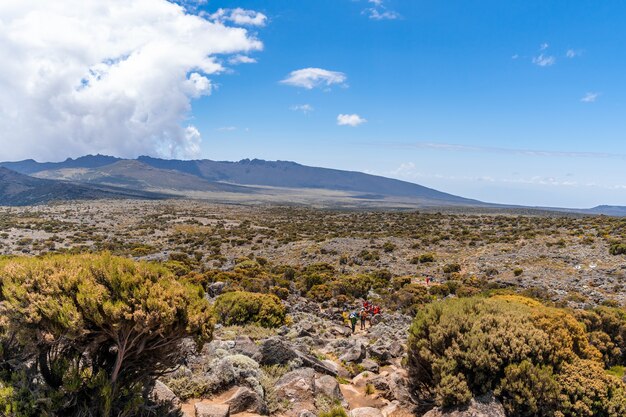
453,94
504,101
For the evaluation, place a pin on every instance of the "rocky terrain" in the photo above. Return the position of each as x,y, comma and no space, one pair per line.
564,259
321,264
300,369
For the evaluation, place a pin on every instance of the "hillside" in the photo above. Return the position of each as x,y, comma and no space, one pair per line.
206,175
18,189
136,175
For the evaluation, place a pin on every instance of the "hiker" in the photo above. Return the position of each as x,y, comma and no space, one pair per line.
363,318
376,310
353,320
427,280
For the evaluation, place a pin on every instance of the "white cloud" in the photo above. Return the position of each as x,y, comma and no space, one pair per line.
590,97
240,16
227,129
544,46
516,56
115,77
304,108
572,53
380,12
544,60
310,78
350,120
241,59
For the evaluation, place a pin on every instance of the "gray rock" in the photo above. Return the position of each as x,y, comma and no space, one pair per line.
274,351
162,393
328,386
245,346
370,365
216,288
212,410
233,370
485,406
298,388
244,399
380,351
354,353
366,412
399,387
395,349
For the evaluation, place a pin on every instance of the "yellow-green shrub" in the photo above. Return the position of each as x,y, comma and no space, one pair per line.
240,307
86,334
523,351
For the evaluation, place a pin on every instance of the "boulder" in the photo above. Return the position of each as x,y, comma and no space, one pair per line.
246,346
274,351
163,394
212,410
298,388
355,353
370,365
216,288
381,351
233,370
244,399
484,406
328,386
365,412
399,387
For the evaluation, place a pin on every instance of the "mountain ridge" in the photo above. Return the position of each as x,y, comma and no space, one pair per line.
172,177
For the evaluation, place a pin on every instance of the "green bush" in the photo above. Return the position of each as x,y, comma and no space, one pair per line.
87,335
450,268
334,412
241,307
523,351
427,258
618,249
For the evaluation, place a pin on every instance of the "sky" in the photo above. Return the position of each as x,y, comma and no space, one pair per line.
520,102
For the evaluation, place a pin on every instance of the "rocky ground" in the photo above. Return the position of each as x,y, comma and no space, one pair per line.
300,369
566,259
303,369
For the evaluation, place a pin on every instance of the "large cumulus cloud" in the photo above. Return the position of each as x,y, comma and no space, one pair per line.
115,76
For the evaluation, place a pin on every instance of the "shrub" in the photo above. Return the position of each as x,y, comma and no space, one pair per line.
427,258
618,249
89,334
334,412
523,351
241,307
388,247
450,268
518,271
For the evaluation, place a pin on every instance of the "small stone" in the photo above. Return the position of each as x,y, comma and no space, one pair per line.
212,410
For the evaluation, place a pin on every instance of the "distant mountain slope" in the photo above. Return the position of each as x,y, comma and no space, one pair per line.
104,169
293,175
106,176
30,166
18,190
136,175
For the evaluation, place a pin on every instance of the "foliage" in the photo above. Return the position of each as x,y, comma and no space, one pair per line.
527,353
334,412
89,334
618,249
241,307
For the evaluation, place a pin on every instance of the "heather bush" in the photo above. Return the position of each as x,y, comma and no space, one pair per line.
88,335
241,307
530,355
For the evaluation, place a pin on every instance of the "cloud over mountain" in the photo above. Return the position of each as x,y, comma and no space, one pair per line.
82,76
